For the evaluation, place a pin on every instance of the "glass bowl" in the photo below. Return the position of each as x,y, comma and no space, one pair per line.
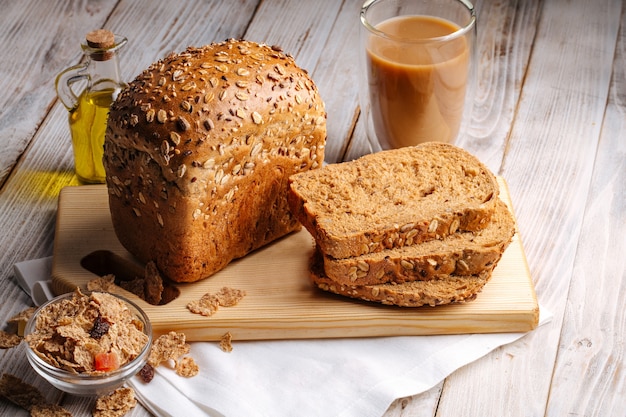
89,383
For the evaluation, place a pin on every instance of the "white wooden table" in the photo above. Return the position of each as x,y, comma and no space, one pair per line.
549,114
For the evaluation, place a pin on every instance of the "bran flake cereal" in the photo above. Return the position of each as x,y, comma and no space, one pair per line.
49,410
226,342
9,340
170,346
102,284
19,392
149,287
209,303
20,319
115,404
72,333
187,367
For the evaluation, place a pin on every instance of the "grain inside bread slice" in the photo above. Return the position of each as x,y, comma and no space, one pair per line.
461,253
444,290
393,198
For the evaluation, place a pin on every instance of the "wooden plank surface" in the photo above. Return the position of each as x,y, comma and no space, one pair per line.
548,168
591,345
281,303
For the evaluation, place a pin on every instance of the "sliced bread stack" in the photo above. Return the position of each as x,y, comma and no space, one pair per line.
415,226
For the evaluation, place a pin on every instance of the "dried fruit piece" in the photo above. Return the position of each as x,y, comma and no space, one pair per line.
147,373
100,327
106,362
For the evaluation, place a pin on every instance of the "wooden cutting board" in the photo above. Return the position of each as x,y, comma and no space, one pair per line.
281,303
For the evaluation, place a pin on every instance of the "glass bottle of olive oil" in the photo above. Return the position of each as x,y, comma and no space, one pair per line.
99,78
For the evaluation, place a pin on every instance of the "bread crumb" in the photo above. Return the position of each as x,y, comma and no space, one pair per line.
187,367
226,342
115,404
209,303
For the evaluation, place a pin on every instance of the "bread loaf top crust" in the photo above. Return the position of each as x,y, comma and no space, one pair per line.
188,107
394,198
198,150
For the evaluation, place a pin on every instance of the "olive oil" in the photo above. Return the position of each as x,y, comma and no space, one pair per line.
100,82
87,125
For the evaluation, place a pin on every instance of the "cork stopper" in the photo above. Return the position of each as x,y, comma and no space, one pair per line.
102,40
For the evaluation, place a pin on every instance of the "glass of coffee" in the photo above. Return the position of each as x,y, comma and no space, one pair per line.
417,57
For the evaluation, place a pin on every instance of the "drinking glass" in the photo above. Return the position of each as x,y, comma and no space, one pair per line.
417,63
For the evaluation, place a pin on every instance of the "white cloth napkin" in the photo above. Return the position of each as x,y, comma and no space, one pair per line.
334,377
33,277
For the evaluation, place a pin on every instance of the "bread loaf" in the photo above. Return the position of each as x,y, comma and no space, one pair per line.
460,254
198,152
394,198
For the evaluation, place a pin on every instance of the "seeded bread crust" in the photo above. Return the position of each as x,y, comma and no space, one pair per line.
435,292
394,198
461,254
198,152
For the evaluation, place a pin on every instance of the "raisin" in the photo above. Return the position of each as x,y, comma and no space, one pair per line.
147,373
100,328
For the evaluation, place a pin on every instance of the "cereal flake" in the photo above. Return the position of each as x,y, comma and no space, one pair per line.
187,367
226,342
103,284
9,340
209,303
19,392
170,346
115,404
49,410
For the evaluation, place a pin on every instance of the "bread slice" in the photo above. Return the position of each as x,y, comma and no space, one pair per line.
461,253
445,290
393,198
